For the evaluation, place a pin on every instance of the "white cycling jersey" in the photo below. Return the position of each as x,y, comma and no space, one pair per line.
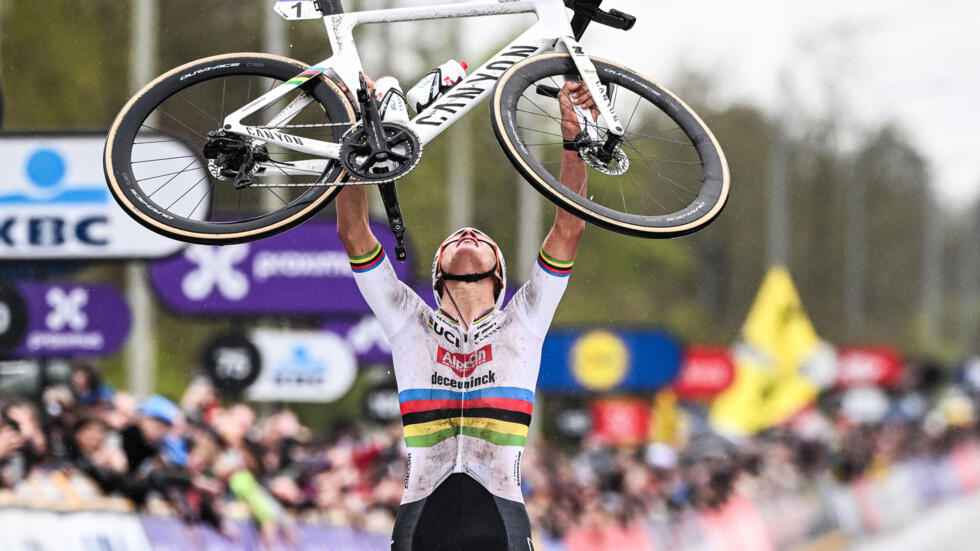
466,396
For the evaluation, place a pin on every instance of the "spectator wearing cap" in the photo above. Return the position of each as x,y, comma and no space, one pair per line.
144,440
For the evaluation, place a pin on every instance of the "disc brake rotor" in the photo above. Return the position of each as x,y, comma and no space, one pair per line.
619,164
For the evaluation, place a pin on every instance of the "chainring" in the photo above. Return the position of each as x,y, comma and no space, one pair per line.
405,147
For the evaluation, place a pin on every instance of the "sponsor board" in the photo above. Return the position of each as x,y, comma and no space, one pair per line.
302,271
72,319
54,202
301,366
601,360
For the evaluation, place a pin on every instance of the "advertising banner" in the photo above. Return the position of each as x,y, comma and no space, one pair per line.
365,338
620,421
869,366
301,366
40,530
72,319
54,202
601,360
706,371
302,271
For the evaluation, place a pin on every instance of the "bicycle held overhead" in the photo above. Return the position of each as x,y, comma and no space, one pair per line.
270,141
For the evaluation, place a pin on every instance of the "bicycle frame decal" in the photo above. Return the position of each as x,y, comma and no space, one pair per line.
305,75
550,31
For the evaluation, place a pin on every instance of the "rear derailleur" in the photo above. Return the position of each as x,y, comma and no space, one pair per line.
232,157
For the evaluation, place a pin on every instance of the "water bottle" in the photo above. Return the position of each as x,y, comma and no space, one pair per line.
391,100
435,84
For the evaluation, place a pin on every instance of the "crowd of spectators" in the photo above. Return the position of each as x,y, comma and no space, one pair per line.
206,459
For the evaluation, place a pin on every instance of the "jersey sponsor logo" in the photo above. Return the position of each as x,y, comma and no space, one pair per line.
444,332
484,333
464,364
487,378
408,469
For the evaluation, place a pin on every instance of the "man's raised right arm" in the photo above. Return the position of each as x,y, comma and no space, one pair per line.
353,223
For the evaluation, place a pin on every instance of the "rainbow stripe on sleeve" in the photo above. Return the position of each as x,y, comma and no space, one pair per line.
499,415
557,268
368,262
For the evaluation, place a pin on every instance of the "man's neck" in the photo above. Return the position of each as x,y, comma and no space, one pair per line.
471,298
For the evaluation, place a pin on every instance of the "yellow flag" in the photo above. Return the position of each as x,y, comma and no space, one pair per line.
776,339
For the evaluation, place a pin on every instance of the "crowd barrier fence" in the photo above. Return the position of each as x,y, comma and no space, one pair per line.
822,515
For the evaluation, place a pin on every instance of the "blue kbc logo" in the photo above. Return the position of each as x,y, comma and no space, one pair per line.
46,170
45,183
301,368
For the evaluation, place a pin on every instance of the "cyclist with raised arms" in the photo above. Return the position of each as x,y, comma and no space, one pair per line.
466,373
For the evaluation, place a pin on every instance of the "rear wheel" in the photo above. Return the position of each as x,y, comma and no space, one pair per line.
669,176
170,166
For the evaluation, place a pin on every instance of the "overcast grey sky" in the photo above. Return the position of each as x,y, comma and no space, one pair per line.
913,61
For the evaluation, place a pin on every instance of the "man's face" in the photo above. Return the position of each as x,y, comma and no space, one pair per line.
468,252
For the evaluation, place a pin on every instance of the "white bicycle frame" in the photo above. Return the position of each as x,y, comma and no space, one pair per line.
551,31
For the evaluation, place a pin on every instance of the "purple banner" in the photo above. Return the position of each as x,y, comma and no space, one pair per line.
365,338
72,320
168,533
302,271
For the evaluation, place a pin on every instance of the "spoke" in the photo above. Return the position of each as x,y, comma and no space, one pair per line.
664,177
685,143
540,131
644,192
185,140
163,159
199,201
638,98
181,123
170,173
175,174
202,111
165,133
186,192
224,85
269,189
626,210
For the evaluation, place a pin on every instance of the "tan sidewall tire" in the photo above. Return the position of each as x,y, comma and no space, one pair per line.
212,238
548,186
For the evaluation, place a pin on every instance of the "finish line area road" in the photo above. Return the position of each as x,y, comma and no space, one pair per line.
953,526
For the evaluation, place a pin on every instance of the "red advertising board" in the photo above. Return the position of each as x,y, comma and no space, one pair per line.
620,421
706,371
879,366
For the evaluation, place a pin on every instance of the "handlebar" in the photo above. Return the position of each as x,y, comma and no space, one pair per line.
587,11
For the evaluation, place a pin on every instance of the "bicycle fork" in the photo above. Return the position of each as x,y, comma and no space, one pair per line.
603,101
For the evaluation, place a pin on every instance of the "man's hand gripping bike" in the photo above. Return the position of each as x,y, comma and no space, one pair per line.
257,143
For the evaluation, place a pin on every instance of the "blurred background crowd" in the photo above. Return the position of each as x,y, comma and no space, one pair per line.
204,459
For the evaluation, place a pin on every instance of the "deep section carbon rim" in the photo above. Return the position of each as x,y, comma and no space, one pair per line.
670,177
179,173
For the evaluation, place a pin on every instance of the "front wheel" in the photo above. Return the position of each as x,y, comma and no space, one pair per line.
170,166
669,176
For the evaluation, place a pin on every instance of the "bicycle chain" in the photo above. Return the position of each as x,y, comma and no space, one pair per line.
347,183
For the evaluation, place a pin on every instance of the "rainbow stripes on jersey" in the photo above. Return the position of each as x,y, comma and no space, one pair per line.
483,316
558,268
368,262
305,75
499,415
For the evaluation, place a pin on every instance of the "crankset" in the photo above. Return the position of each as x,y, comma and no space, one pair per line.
381,152
400,153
